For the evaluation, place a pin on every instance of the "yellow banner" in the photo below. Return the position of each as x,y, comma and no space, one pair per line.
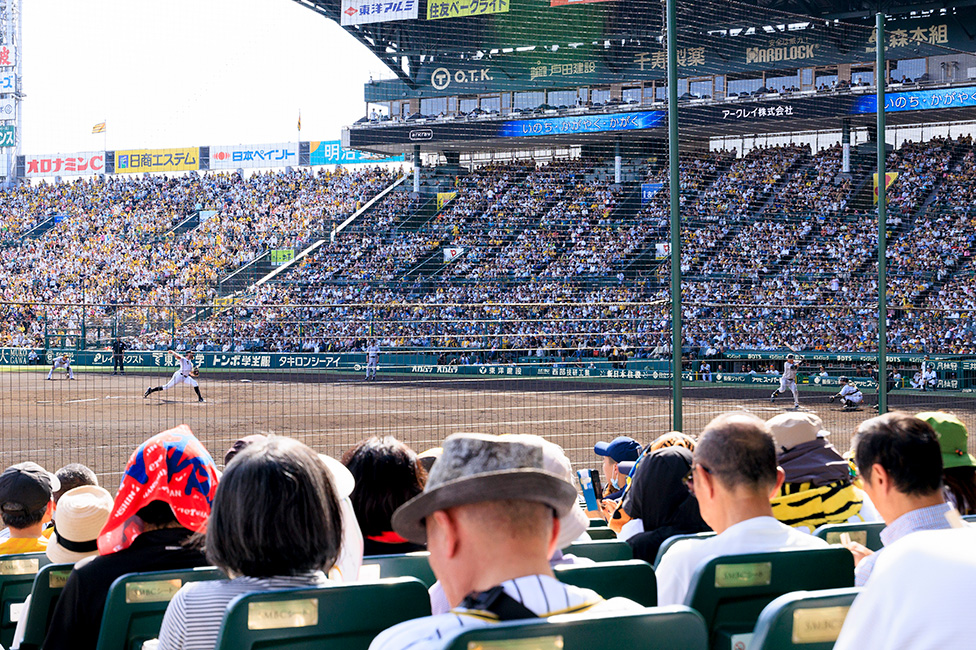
890,177
138,161
443,198
437,9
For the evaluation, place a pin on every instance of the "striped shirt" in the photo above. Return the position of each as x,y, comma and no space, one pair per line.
192,620
930,518
542,594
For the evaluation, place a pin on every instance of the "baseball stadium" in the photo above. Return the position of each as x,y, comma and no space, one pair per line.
579,219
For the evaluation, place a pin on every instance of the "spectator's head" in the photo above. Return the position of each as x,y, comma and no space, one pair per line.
170,481
735,473
82,511
26,496
489,506
792,429
900,461
958,465
387,475
276,512
620,449
241,444
71,476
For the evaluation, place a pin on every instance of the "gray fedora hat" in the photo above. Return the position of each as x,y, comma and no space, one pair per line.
477,467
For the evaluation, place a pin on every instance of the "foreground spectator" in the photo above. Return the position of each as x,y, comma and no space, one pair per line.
275,524
735,476
921,596
387,475
489,516
958,465
620,449
164,498
900,462
817,487
26,505
73,475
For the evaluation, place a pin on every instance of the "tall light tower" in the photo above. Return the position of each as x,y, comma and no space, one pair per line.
11,55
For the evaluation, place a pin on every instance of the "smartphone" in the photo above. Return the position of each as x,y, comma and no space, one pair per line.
590,483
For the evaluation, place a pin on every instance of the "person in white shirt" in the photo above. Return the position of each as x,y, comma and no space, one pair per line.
930,380
62,361
185,374
372,360
788,380
489,515
850,395
734,476
921,596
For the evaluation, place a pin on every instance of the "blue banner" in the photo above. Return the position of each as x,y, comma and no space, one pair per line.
582,124
918,100
332,153
648,190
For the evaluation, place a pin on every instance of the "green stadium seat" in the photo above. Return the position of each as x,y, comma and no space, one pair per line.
46,590
731,591
598,523
16,580
601,533
603,550
661,628
337,617
409,565
136,603
969,518
674,539
803,620
868,535
632,579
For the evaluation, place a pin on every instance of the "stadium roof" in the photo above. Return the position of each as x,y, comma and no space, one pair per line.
405,45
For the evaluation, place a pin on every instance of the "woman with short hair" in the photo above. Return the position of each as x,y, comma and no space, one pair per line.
275,524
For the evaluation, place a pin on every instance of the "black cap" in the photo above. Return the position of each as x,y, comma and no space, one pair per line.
26,487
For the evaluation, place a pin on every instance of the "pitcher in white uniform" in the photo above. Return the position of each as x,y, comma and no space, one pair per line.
788,380
184,375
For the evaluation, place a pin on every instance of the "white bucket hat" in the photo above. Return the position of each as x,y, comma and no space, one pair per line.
81,514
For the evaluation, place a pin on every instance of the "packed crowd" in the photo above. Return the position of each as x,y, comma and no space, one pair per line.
282,517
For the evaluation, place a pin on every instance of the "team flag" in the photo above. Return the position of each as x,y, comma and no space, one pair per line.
299,120
99,128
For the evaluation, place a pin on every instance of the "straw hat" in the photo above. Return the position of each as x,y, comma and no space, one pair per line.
79,518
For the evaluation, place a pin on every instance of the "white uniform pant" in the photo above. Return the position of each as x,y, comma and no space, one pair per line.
853,399
57,365
371,365
180,378
790,384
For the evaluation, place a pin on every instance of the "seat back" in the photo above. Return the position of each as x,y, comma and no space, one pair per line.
604,550
337,617
601,533
662,628
46,589
409,565
674,539
16,579
803,620
969,518
136,603
868,535
632,579
731,591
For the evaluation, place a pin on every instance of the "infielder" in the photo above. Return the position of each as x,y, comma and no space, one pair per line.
372,360
62,361
186,374
788,380
849,394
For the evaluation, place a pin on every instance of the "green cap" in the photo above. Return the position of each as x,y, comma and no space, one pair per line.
953,438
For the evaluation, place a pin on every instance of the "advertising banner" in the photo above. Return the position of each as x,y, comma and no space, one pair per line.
437,9
585,124
918,100
8,135
8,55
7,108
87,163
563,3
281,255
139,161
360,12
332,153
250,156
648,190
8,82
443,198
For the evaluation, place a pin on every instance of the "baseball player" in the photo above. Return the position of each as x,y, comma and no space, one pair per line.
186,374
849,394
372,360
788,379
63,360
118,356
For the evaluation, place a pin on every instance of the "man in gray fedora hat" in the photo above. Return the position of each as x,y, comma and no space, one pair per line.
489,515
